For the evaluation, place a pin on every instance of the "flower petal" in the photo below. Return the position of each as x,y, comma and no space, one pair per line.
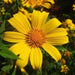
38,19
46,5
23,50
20,22
51,1
50,25
51,50
36,58
60,40
57,32
14,37
34,19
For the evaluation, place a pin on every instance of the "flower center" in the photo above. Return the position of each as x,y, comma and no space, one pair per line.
35,38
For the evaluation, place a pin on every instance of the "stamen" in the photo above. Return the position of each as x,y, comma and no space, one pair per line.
35,38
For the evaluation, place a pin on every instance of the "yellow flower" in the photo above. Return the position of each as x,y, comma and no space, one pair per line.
73,7
3,10
68,24
25,12
32,36
73,35
64,68
63,61
68,54
35,3
25,3
10,1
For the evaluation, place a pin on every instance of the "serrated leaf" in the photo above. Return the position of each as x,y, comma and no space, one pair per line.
6,53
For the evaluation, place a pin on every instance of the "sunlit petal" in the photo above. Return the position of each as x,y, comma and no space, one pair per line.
51,25
38,19
20,22
60,40
36,58
14,37
22,50
57,32
51,50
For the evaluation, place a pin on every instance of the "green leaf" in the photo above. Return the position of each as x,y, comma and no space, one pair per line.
30,9
52,66
38,72
73,52
61,48
47,19
6,53
1,37
14,72
2,28
6,68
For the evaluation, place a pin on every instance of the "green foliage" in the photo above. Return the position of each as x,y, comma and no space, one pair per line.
6,68
61,48
2,28
14,72
6,53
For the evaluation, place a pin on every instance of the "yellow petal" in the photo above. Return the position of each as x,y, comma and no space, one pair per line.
57,32
14,37
36,58
60,40
74,8
10,1
23,50
68,21
16,25
23,20
25,3
20,22
51,50
46,5
51,1
34,18
73,5
51,25
38,19
6,1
